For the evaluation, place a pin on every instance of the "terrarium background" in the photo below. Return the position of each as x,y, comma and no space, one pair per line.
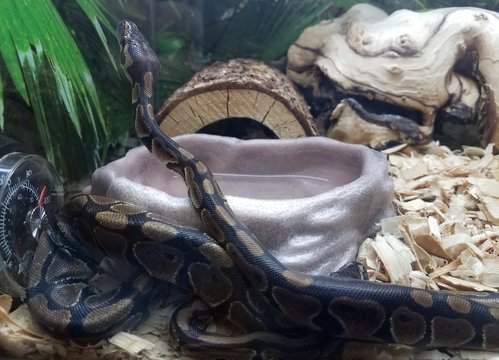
61,89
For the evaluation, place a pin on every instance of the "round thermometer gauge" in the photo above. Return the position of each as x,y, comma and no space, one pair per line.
30,193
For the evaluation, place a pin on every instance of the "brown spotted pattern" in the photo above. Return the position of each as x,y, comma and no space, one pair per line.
68,295
212,226
141,128
158,230
407,326
302,298
301,308
208,187
112,220
100,318
112,243
451,332
202,169
210,283
57,270
256,275
135,95
254,248
360,319
494,311
44,249
126,59
296,279
159,260
148,84
228,218
125,208
490,336
150,111
54,320
163,153
239,314
422,298
459,304
233,277
214,252
187,155
193,188
94,301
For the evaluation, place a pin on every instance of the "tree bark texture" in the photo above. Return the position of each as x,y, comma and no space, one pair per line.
240,88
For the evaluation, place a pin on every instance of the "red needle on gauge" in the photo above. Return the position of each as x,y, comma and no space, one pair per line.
42,195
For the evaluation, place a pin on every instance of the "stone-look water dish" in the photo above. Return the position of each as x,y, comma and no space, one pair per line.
310,201
440,65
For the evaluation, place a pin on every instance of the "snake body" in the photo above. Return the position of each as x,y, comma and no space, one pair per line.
227,273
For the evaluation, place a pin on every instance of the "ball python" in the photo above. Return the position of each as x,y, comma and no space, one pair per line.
228,276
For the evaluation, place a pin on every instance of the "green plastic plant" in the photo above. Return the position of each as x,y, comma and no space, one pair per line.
42,65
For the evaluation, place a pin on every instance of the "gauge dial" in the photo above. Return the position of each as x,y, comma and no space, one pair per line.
30,193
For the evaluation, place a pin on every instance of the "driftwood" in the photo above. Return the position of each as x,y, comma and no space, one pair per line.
238,89
436,65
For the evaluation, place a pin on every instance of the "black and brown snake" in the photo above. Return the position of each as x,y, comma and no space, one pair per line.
226,274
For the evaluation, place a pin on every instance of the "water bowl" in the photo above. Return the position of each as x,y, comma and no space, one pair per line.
310,201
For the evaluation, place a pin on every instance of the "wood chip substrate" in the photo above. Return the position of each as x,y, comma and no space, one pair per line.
445,237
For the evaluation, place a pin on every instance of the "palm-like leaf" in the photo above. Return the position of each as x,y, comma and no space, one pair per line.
47,69
259,28
97,17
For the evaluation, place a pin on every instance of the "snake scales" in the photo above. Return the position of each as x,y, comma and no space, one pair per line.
229,278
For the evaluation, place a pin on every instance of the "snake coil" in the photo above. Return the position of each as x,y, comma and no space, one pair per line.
271,311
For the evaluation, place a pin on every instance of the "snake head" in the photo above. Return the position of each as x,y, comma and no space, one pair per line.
136,55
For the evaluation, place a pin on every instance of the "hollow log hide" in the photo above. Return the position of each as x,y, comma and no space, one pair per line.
238,89
438,67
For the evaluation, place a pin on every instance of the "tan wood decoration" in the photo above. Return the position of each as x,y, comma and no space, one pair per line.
443,61
240,88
